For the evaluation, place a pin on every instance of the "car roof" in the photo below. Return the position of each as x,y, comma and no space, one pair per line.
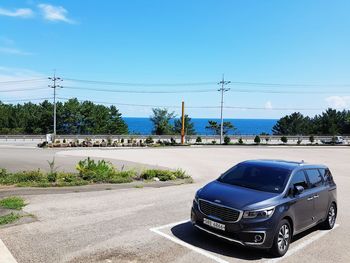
290,165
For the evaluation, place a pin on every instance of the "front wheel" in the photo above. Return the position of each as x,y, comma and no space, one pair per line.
282,239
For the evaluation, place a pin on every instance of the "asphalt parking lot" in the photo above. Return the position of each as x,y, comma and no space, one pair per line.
151,224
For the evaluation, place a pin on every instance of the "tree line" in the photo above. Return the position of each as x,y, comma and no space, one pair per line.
329,122
75,117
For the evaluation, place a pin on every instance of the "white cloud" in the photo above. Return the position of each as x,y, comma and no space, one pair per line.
268,105
13,51
20,12
339,102
55,13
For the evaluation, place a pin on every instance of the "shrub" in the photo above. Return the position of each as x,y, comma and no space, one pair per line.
213,142
97,172
284,139
240,141
149,140
25,176
227,140
163,175
299,141
199,139
69,179
257,139
312,139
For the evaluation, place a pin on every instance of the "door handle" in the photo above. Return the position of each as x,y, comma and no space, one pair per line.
310,198
316,196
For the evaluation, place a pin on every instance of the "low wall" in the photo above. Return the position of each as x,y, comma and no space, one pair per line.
206,139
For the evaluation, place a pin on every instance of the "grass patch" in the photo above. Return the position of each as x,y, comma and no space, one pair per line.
8,219
14,202
89,171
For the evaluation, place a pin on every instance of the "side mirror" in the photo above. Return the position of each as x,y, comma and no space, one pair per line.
298,189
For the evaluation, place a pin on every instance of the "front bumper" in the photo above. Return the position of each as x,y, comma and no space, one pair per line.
252,234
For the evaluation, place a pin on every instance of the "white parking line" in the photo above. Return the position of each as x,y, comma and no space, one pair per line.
203,252
5,254
302,245
184,244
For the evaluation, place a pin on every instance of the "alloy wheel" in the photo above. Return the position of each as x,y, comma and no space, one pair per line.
331,216
283,238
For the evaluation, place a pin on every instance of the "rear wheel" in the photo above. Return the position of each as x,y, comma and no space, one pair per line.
282,239
331,217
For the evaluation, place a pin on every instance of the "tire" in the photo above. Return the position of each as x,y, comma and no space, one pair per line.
331,217
282,239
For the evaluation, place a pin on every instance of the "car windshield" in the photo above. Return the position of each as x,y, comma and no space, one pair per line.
258,177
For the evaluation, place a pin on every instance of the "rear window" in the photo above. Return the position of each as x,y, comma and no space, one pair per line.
258,177
326,174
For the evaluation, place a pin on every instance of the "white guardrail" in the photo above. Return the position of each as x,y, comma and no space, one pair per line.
206,139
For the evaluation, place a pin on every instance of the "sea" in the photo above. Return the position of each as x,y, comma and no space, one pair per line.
144,126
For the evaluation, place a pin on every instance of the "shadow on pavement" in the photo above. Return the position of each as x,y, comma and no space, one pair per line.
187,233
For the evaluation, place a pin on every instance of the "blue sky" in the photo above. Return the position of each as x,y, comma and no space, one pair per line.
161,41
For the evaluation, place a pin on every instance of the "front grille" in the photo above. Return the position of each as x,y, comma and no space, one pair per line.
221,212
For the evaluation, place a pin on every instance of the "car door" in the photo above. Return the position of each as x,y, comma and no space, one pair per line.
320,190
301,204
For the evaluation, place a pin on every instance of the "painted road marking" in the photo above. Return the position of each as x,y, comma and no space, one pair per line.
184,244
5,254
207,254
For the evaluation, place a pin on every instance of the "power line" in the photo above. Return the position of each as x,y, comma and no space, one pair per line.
140,84
15,90
143,91
205,91
29,100
242,83
21,81
197,107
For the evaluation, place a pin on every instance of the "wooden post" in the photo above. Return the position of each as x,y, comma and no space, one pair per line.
183,124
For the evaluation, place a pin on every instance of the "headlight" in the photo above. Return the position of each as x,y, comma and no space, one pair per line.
261,213
196,196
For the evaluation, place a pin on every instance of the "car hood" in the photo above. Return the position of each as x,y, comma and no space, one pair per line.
236,197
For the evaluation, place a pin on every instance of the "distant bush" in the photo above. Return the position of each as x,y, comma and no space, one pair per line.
149,140
198,139
257,139
299,141
312,139
227,140
240,141
284,139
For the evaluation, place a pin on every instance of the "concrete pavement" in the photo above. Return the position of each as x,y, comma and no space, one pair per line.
114,226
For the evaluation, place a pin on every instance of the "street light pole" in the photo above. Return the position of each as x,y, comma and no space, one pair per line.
223,83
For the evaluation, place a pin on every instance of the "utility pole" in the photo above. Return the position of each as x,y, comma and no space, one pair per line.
183,123
54,85
223,83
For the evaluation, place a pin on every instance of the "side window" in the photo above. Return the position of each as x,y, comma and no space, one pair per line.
315,177
299,178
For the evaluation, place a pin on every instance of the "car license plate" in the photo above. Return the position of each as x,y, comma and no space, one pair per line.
213,224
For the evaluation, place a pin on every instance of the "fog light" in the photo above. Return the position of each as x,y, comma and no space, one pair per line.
258,238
